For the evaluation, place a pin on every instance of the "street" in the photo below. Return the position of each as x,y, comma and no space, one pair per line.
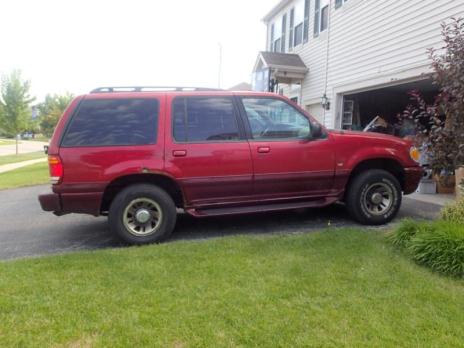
27,231
24,147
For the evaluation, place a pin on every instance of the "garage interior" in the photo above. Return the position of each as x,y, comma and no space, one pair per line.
360,109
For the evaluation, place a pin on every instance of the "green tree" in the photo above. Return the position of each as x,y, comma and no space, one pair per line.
15,101
51,110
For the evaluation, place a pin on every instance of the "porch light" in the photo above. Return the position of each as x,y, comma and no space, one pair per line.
325,102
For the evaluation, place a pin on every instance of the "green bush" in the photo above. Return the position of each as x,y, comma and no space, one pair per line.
438,245
404,233
454,212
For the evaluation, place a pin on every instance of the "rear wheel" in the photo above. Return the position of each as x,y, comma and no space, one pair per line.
142,214
374,197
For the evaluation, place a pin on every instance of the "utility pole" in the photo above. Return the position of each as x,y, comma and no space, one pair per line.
220,65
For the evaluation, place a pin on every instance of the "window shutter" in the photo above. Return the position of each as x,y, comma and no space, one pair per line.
290,35
284,32
306,21
317,11
271,44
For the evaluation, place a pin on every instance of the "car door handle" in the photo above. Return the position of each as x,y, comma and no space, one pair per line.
264,149
179,153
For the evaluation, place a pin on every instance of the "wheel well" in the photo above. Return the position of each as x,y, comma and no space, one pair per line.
164,182
389,165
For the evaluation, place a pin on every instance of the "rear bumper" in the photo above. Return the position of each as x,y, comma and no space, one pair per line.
412,177
66,203
50,202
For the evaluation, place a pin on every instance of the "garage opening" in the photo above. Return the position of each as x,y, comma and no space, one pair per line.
379,108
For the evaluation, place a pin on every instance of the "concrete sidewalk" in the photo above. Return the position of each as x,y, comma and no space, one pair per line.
12,166
438,199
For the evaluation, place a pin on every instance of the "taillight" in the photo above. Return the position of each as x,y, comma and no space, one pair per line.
56,169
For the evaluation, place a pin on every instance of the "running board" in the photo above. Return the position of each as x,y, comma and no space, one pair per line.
249,209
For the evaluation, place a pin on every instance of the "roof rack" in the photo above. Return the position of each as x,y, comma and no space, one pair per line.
150,89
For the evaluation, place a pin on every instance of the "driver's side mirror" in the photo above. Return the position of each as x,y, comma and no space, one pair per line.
316,131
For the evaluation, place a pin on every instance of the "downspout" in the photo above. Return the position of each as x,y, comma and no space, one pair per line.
329,25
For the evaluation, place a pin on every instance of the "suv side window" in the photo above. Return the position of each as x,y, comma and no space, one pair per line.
204,119
274,119
113,122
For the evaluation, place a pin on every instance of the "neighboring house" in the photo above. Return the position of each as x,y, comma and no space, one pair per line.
244,86
347,61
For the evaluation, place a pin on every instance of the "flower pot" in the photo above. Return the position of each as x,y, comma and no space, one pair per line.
445,183
459,180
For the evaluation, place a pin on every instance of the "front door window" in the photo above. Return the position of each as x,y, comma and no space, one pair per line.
274,119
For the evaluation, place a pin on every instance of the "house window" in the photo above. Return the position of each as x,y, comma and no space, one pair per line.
306,21
339,3
277,36
298,34
297,21
324,18
321,16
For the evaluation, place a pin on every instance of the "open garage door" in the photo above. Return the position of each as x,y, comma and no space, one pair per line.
360,109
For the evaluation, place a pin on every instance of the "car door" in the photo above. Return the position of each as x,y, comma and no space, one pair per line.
287,161
207,150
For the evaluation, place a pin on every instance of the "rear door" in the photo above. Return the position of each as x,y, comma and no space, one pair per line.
206,149
287,162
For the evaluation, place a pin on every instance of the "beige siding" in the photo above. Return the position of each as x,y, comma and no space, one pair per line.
371,42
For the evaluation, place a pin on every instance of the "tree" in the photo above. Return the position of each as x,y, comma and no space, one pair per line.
448,67
441,125
15,110
51,110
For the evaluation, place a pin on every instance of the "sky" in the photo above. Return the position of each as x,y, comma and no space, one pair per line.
77,45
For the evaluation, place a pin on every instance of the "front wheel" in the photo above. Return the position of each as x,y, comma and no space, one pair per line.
374,197
142,214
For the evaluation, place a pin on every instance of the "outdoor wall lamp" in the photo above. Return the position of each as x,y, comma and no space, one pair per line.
325,102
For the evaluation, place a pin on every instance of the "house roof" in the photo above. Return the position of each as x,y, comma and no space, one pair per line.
244,86
276,9
274,59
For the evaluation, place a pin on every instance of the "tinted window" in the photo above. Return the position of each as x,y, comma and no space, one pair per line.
200,119
274,119
104,122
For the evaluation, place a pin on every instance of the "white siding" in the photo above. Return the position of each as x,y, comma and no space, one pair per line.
371,42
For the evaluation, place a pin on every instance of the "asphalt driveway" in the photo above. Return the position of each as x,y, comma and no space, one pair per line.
25,230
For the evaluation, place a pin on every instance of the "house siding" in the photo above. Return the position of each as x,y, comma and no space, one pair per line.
370,43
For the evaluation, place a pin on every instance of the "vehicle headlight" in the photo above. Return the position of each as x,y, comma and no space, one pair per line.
414,153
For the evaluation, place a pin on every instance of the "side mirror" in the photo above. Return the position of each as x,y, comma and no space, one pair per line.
316,131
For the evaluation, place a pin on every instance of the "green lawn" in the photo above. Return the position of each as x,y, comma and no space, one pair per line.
34,174
21,157
333,288
7,142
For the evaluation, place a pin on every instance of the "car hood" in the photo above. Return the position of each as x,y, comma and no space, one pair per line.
371,137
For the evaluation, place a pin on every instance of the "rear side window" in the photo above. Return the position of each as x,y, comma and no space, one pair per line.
106,122
204,119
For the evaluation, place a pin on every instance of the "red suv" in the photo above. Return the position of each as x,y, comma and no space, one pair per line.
139,154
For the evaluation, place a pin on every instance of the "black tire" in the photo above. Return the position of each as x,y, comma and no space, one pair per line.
142,193
360,201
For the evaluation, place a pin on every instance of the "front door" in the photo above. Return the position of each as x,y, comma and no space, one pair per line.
287,161
207,151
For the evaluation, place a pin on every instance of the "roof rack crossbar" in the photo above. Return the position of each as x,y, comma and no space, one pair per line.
150,89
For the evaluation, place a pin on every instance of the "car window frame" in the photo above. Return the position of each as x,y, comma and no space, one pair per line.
236,111
78,107
249,133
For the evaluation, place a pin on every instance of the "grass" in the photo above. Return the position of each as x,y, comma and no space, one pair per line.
21,157
333,288
34,174
7,142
